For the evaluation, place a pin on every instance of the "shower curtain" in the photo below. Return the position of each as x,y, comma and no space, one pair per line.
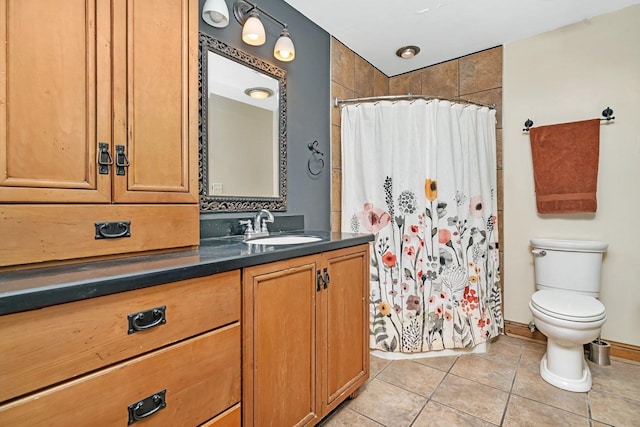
421,176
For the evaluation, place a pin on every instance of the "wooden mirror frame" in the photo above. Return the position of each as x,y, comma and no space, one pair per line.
209,203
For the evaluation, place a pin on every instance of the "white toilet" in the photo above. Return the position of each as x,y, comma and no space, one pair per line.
565,308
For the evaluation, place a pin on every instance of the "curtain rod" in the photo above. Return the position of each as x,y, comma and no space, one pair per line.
337,102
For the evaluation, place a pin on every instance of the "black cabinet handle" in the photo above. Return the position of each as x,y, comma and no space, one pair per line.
327,279
319,281
122,161
113,230
146,407
148,319
104,158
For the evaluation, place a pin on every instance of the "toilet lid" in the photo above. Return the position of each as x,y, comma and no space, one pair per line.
568,306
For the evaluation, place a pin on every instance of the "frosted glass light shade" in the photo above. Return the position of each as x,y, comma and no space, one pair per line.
253,30
216,13
284,49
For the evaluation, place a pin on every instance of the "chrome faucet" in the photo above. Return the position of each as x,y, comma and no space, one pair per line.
261,225
257,228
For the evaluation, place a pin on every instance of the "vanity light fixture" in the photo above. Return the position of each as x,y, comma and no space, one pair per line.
216,13
408,52
259,92
253,32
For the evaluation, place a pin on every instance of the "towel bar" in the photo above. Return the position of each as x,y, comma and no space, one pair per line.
607,113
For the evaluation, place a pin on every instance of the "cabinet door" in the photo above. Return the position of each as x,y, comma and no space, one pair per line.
156,100
279,381
55,100
345,328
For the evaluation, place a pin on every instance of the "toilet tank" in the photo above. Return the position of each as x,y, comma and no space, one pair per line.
569,265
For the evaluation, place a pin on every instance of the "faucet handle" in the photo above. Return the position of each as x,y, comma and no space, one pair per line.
249,225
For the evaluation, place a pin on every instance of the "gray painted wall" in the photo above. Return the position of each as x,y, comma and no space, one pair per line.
308,102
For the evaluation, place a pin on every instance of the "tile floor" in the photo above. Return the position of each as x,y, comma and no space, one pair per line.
499,388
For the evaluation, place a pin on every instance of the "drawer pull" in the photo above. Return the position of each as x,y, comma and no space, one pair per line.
147,319
113,230
147,407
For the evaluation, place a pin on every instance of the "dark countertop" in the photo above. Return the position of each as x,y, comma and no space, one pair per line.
40,287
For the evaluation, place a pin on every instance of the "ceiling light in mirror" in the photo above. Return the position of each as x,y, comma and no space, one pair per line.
259,92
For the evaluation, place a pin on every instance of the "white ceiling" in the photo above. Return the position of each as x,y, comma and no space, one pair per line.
443,29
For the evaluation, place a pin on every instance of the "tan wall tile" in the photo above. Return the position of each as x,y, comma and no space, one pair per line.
441,80
342,64
336,189
493,96
340,92
481,71
336,153
336,221
406,83
381,83
364,80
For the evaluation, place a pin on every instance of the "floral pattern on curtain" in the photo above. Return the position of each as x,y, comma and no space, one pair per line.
421,177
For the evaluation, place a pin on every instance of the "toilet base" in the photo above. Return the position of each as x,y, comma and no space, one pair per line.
580,385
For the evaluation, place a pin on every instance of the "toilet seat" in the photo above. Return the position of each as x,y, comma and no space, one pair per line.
568,306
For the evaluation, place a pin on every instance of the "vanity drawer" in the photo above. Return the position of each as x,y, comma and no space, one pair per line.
230,418
46,346
201,377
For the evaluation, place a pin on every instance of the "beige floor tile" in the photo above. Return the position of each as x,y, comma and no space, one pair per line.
412,376
618,378
347,417
472,398
486,371
376,365
531,358
533,345
443,363
437,415
523,412
503,350
505,339
530,384
613,409
387,404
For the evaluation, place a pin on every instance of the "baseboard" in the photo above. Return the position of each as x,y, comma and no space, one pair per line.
521,330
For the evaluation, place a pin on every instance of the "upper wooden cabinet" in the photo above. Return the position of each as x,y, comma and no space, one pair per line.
91,82
122,73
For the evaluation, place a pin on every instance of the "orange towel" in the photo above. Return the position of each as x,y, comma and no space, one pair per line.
565,166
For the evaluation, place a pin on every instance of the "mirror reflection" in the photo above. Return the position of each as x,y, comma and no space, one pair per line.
242,130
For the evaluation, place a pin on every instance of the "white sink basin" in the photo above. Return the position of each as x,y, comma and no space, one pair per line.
283,240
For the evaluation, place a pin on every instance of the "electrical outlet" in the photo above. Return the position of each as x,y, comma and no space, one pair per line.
216,188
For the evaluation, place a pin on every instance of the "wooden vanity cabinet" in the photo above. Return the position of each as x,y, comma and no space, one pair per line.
305,345
86,86
80,364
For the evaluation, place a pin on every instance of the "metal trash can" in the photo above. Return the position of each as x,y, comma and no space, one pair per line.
599,352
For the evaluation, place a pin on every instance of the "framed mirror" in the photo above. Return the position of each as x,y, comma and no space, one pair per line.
243,130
